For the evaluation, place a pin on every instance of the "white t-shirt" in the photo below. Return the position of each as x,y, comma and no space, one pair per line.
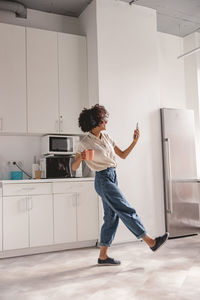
104,154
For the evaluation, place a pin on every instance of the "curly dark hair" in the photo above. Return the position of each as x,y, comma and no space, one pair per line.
92,117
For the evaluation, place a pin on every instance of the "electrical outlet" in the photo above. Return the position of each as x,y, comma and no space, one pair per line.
10,162
19,162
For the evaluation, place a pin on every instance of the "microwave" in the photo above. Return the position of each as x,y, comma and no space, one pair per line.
59,144
59,166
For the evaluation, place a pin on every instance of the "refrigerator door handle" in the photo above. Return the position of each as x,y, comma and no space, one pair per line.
169,178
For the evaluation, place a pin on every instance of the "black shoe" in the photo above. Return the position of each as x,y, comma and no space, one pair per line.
108,262
160,241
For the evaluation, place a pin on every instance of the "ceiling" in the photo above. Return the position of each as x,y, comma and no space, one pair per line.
178,17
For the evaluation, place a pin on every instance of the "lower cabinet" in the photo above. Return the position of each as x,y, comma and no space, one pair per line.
48,214
41,220
1,237
15,223
75,212
65,218
27,221
87,213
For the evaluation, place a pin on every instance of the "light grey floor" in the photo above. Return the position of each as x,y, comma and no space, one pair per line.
171,273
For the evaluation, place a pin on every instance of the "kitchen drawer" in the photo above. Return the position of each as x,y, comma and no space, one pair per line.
68,187
15,189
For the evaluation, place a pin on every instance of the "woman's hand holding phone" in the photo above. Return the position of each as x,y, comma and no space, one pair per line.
136,133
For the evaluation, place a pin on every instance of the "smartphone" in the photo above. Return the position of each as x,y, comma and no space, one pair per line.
137,127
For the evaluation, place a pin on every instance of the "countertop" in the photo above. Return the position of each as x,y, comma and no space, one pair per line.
47,180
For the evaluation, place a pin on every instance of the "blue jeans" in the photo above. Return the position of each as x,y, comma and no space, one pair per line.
115,206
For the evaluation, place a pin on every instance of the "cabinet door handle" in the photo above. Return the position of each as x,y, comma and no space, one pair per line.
61,124
74,200
57,126
30,206
78,199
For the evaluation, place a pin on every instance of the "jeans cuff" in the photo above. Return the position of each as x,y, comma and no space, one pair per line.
141,235
104,244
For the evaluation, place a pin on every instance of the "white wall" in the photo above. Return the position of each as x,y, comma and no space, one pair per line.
171,71
88,25
129,89
134,71
18,148
192,85
43,20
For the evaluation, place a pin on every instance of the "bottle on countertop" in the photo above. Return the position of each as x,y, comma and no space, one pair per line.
35,167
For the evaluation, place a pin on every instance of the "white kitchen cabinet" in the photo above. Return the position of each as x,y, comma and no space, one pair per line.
41,220
27,215
51,214
42,81
87,212
1,220
73,84
15,223
57,87
43,77
65,218
75,212
12,79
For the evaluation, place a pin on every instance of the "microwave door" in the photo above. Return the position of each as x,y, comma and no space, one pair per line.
59,145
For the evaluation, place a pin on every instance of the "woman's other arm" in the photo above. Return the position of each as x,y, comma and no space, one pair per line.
78,159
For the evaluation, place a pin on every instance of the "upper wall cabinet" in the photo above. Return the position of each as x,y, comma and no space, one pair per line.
73,84
42,81
56,81
12,79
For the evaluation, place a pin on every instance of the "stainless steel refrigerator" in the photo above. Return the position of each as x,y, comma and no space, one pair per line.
181,186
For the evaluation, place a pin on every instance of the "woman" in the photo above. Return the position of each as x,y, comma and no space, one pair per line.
115,206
